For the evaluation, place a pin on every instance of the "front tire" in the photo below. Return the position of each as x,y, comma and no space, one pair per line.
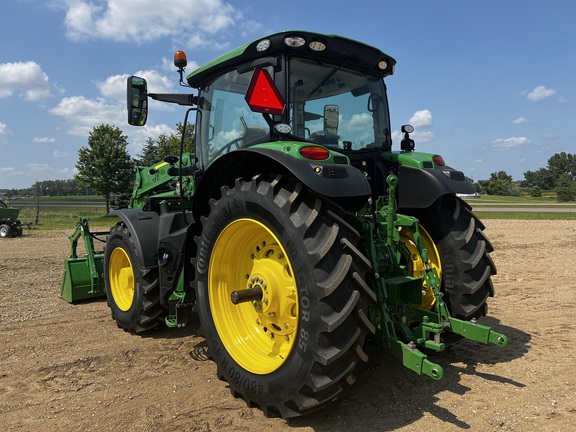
133,293
294,348
5,231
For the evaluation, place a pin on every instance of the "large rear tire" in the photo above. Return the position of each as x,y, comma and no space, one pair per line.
462,256
292,349
133,293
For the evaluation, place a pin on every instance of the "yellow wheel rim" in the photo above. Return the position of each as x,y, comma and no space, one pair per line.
416,265
258,334
121,279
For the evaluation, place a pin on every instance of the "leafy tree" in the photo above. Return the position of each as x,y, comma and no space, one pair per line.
558,164
167,145
561,163
535,192
543,178
501,175
105,164
149,153
500,183
565,188
482,186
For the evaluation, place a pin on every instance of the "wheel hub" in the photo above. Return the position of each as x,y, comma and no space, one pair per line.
257,323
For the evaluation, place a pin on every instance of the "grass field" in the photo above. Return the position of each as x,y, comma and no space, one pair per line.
64,212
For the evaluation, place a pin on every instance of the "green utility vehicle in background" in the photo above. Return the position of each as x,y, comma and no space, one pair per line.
294,230
10,226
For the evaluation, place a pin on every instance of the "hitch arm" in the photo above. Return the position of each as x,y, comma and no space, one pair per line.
416,360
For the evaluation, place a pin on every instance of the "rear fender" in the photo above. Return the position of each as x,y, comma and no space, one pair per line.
419,188
144,228
339,182
162,241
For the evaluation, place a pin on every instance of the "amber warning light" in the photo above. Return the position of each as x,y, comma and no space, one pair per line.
263,95
180,60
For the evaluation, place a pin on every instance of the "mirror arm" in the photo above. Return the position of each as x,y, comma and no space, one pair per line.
180,99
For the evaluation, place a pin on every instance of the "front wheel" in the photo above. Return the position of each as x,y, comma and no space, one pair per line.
281,296
5,231
133,293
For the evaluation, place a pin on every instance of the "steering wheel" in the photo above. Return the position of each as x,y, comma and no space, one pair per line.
226,147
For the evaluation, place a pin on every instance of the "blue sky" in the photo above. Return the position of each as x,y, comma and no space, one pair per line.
490,85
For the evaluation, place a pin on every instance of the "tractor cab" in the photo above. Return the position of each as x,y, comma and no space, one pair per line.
300,88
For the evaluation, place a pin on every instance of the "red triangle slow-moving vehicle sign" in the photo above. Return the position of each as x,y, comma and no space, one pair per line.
263,95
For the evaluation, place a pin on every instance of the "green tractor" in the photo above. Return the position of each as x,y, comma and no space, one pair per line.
294,230
10,226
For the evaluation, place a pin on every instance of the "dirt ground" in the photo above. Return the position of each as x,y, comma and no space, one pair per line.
69,368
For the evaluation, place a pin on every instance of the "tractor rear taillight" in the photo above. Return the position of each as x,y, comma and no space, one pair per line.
314,153
438,160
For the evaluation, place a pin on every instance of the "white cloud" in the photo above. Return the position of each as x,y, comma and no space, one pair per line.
143,21
7,170
114,87
60,153
421,119
539,93
520,120
84,114
509,143
26,79
43,140
4,129
68,171
418,137
39,167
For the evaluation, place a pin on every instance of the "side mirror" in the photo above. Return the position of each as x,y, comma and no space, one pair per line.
137,100
331,119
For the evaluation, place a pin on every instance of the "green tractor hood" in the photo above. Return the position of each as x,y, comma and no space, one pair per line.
8,212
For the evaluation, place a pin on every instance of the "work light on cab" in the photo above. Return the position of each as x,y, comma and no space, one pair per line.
294,41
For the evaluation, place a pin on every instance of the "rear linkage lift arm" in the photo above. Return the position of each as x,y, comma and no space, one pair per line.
398,294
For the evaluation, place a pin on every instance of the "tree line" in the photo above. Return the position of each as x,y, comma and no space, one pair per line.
106,168
559,176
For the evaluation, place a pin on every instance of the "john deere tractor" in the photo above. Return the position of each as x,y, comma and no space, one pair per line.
294,230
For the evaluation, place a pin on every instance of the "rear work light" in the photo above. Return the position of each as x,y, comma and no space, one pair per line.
315,153
294,41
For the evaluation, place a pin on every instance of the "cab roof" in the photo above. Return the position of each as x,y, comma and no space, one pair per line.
337,49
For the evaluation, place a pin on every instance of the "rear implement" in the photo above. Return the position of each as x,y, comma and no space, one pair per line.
83,275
